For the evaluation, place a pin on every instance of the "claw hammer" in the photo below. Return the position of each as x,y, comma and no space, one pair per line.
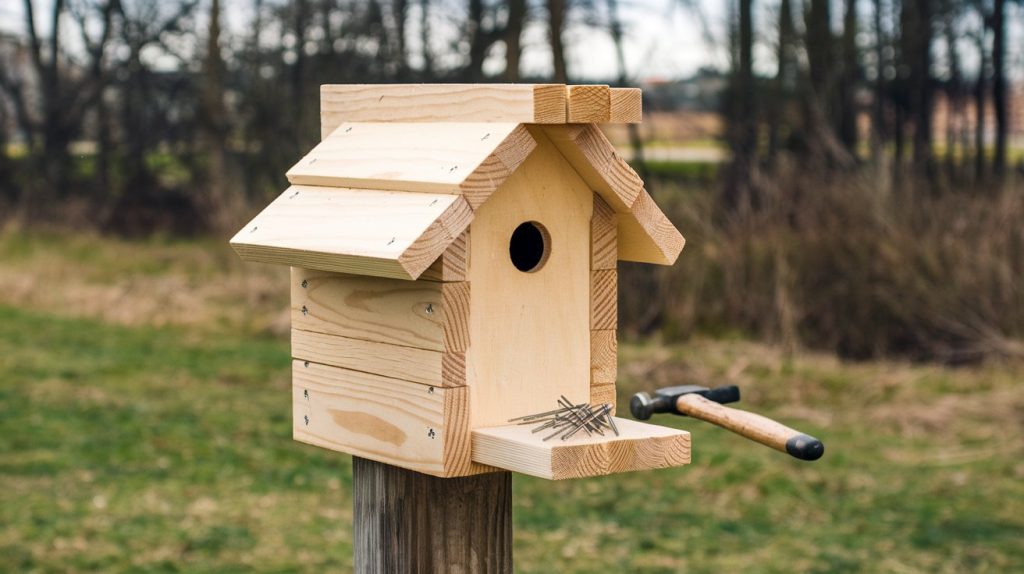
707,405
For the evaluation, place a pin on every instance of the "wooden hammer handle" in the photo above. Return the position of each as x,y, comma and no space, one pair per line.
752,426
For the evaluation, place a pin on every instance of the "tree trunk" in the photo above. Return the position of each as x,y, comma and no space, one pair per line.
405,521
739,191
786,62
999,85
556,25
847,99
428,54
879,131
635,141
399,11
979,109
225,207
477,45
513,37
921,85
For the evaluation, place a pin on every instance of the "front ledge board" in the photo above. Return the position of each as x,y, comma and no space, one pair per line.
639,446
361,231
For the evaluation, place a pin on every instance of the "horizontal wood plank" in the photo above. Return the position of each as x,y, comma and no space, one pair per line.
640,446
420,314
510,103
436,368
626,106
647,235
588,104
362,231
374,417
429,158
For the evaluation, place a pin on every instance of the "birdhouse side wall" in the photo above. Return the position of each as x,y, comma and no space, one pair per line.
380,368
604,303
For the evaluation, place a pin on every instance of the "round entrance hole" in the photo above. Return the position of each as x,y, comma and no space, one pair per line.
529,247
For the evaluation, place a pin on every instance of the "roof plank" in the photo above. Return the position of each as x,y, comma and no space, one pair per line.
627,106
453,158
361,231
647,236
501,103
588,104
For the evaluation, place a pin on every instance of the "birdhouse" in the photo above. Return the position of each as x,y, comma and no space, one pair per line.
453,253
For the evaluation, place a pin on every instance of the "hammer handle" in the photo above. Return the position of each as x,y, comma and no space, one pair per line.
752,426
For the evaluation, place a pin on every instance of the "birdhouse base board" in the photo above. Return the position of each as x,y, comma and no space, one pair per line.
639,446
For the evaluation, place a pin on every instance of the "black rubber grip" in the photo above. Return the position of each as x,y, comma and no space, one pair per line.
805,447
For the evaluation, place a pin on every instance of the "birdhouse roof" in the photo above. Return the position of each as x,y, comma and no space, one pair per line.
386,198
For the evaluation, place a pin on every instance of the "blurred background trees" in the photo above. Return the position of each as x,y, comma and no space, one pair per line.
827,120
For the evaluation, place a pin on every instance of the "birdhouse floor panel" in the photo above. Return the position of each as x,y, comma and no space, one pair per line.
411,425
639,446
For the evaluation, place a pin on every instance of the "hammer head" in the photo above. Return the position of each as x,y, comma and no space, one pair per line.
643,405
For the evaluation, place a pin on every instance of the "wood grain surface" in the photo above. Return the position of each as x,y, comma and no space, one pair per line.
509,103
363,231
640,446
529,331
405,521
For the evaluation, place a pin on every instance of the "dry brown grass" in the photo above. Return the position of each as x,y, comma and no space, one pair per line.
846,264
154,283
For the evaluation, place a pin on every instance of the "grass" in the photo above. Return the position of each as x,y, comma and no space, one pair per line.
154,445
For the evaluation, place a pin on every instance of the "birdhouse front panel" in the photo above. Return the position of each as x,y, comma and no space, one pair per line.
530,306
454,267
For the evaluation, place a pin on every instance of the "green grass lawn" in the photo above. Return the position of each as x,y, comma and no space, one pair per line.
165,445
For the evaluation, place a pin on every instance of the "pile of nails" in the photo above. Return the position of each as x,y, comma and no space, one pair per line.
571,418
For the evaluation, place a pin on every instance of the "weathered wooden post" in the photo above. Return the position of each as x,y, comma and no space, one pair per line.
453,252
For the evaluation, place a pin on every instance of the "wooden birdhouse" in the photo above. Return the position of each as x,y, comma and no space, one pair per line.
453,252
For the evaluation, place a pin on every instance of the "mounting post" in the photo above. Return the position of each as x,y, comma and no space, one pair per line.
406,521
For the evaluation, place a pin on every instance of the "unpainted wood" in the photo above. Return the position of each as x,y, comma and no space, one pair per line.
604,293
420,314
626,106
750,425
405,521
603,393
502,103
452,264
529,330
589,104
449,158
384,419
437,368
363,231
640,446
648,236
603,236
603,357
597,162
497,167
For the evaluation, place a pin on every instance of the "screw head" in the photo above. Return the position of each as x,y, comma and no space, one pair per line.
305,283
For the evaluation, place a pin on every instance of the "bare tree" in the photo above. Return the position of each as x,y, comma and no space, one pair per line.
513,38
556,27
998,23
